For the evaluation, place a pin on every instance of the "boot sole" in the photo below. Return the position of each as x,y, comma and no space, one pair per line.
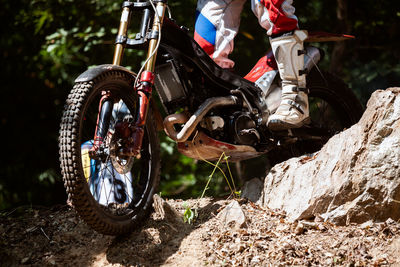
278,125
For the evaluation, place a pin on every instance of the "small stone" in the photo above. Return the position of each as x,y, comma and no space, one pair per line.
286,245
233,247
166,211
299,229
232,215
321,227
390,221
25,260
367,224
31,229
309,225
329,261
328,254
252,190
318,218
242,247
211,259
282,227
255,259
52,261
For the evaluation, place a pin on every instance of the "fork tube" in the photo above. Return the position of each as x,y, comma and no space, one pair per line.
144,25
103,119
145,87
147,78
122,33
161,7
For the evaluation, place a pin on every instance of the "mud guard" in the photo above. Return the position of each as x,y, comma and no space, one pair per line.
94,72
327,37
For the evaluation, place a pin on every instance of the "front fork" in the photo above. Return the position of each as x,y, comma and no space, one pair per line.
143,88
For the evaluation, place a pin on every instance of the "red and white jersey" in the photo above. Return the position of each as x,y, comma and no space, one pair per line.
217,23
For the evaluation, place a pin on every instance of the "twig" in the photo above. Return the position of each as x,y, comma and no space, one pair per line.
210,176
44,233
230,173
219,168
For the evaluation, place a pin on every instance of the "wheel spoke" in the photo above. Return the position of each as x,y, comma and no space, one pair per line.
113,187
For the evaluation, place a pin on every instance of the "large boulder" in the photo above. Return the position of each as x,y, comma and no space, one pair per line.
355,177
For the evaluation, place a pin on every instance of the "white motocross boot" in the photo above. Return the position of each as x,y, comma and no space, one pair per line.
293,110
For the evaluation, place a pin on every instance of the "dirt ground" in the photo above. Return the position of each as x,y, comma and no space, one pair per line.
57,237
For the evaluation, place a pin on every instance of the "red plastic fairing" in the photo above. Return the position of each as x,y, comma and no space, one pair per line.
327,37
203,147
265,64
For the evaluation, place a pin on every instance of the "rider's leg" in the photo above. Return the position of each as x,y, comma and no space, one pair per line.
293,111
217,23
278,18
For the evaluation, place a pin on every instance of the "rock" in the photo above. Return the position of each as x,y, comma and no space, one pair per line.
232,215
367,224
25,260
255,260
299,229
252,190
166,212
394,250
355,177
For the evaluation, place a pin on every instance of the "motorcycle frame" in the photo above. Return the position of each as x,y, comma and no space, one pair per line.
175,42
150,39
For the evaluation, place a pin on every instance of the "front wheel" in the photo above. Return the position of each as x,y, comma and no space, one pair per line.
111,193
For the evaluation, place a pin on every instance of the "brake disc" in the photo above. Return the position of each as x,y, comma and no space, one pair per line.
121,164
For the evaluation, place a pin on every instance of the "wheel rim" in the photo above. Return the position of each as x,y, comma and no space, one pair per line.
324,116
117,184
327,119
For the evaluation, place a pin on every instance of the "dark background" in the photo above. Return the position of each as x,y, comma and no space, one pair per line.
45,44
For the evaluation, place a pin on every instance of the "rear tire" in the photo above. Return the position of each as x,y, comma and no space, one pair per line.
337,94
110,200
333,108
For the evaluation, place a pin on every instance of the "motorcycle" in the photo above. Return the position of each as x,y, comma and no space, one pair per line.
109,146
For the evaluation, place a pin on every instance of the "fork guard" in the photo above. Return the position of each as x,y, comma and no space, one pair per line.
96,71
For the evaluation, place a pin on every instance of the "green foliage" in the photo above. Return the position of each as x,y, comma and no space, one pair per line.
46,44
230,182
190,214
379,73
182,176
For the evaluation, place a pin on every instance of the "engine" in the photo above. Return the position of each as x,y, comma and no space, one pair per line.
238,128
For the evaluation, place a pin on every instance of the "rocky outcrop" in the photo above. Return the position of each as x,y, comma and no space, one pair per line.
355,177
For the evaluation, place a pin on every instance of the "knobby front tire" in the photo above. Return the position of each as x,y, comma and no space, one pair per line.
113,194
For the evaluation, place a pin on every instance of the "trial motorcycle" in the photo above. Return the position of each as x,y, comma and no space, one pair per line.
109,145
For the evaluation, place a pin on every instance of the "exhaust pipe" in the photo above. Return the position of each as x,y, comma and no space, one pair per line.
193,121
